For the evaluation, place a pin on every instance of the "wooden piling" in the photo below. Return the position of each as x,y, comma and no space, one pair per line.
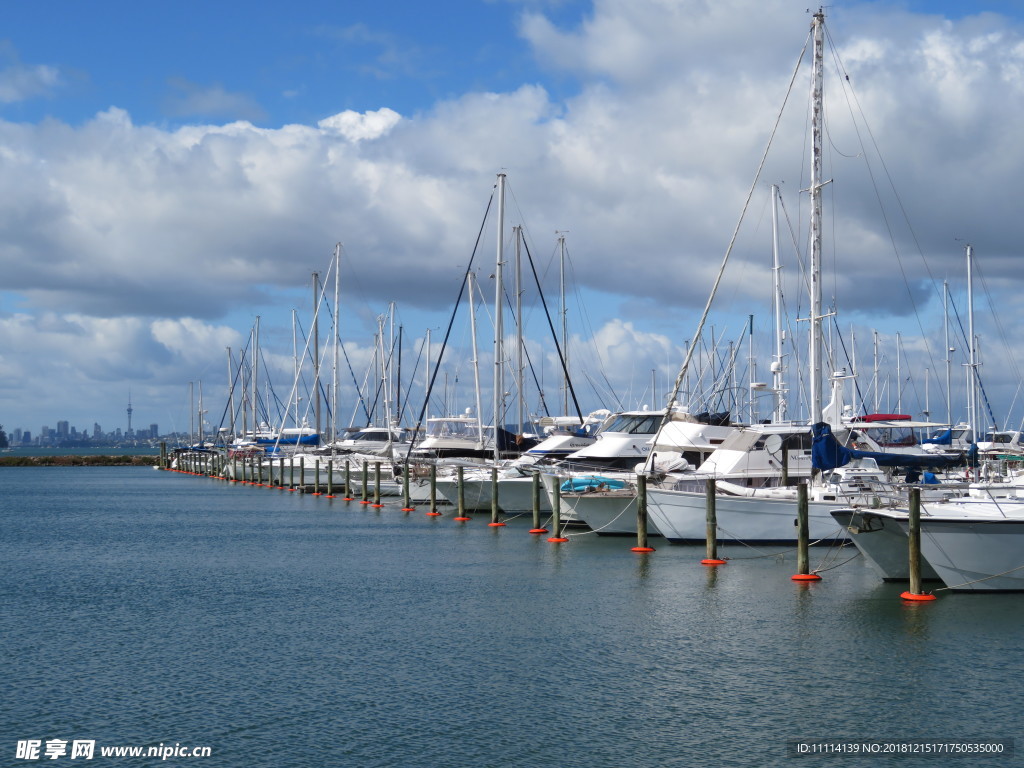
366,473
803,561
316,477
461,494
406,501
433,492
376,484
556,513
711,524
641,515
914,549
495,512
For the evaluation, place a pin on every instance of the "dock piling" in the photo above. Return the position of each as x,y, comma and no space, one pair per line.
914,550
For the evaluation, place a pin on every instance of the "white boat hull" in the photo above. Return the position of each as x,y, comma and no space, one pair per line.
607,513
975,555
882,540
681,517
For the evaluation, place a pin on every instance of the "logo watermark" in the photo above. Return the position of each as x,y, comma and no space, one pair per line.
86,749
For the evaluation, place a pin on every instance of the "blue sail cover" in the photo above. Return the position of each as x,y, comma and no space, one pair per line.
946,438
827,453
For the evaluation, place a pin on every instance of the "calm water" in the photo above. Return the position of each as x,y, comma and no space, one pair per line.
144,607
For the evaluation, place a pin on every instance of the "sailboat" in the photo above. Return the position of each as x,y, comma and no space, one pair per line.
745,510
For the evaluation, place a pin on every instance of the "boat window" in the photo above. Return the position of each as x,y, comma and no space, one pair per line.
445,428
635,424
893,436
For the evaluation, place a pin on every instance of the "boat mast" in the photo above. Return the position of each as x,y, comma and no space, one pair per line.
899,377
334,343
777,373
499,289
972,395
426,383
202,437
316,349
521,400
295,362
476,357
255,380
565,323
949,352
817,118
231,395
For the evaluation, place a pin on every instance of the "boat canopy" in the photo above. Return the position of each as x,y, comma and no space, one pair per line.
827,453
943,438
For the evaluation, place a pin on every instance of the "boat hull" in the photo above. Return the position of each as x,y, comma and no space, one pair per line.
681,517
882,540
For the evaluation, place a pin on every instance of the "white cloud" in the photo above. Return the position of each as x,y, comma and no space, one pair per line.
357,126
114,231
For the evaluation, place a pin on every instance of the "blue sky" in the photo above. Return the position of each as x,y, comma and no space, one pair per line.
268,63
172,171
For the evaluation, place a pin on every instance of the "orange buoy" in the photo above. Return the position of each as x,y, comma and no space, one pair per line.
642,549
915,598
557,539
712,561
433,514
495,525
538,530
806,577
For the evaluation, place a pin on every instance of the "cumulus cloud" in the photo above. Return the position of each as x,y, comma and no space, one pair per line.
647,165
356,126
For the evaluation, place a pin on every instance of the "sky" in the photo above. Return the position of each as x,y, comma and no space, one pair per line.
170,173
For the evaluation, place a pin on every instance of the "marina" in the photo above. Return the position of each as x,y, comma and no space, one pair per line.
285,629
491,540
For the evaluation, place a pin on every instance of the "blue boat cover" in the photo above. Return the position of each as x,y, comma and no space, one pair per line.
592,483
946,438
827,453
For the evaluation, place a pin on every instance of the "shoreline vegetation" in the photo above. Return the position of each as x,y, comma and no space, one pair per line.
79,461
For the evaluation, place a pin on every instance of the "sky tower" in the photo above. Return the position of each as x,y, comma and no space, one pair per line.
129,433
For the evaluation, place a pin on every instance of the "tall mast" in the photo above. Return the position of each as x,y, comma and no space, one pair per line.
426,383
295,363
565,324
777,373
949,352
499,289
899,377
817,118
231,395
521,400
972,394
200,414
334,343
316,348
476,358
255,378
752,378
874,350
